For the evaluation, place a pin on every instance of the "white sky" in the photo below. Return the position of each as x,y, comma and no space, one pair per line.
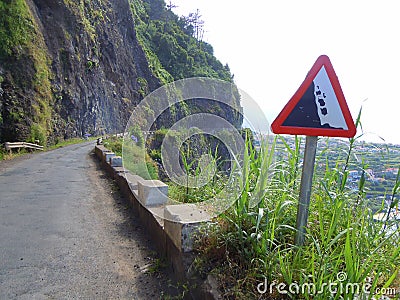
271,45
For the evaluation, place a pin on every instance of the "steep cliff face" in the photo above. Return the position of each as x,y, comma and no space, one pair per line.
97,63
93,66
68,68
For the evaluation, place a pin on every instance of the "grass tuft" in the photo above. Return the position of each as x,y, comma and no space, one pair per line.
251,244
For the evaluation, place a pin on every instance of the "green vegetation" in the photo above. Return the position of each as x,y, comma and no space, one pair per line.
173,45
38,134
143,86
215,180
21,40
136,158
140,18
253,241
114,144
137,134
89,14
16,27
5,155
199,154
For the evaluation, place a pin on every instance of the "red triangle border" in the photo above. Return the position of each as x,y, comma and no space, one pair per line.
277,126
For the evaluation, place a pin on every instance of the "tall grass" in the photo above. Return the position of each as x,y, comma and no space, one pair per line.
344,246
394,202
136,159
204,177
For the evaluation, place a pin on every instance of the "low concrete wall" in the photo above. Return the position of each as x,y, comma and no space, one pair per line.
152,192
99,150
181,224
173,234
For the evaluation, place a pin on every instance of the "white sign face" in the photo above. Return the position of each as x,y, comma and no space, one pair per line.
329,110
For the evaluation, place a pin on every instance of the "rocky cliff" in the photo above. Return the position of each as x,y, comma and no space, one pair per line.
69,68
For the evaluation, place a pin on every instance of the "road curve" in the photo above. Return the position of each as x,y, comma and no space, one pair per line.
66,233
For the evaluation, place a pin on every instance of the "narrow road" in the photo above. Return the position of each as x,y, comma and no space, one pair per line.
66,233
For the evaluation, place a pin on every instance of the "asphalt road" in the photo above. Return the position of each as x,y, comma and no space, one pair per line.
66,233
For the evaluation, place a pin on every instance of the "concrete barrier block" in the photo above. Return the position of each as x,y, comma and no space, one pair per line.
182,223
133,180
152,192
100,150
119,169
116,161
107,156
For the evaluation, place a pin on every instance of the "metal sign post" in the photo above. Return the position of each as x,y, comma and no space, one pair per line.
305,188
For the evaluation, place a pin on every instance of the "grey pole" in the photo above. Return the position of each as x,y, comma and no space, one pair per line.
305,188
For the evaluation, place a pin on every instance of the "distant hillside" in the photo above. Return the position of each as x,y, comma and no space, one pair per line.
73,67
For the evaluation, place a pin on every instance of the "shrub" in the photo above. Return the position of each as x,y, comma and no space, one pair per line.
38,133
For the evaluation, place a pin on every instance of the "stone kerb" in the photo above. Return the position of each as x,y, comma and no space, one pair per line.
108,156
100,150
119,169
174,234
133,180
182,222
116,161
152,192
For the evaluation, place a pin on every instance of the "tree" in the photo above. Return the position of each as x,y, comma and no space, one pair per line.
194,20
170,5
168,13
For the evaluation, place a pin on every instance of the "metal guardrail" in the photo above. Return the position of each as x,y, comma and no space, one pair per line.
15,145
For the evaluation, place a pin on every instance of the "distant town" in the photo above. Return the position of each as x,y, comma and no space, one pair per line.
376,165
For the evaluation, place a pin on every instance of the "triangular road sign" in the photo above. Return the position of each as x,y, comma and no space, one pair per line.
318,108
